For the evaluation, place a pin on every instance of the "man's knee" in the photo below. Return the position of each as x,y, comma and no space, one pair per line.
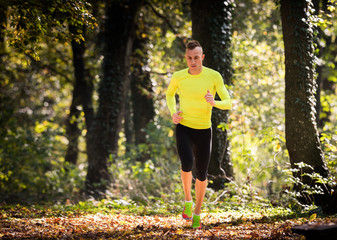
201,176
186,168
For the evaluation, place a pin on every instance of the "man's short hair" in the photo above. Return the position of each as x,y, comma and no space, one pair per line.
192,44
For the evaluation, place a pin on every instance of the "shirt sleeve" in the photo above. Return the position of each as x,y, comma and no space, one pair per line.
226,101
170,95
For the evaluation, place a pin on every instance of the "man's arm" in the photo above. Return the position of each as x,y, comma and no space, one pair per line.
226,101
170,97
171,102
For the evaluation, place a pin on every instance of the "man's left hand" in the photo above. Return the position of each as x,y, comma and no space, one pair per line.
210,98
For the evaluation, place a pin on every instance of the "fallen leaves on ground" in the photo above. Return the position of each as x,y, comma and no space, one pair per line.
125,226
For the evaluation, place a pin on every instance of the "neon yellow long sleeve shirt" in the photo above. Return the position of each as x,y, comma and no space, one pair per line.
196,112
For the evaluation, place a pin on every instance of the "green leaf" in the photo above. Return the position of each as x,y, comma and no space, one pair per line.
313,217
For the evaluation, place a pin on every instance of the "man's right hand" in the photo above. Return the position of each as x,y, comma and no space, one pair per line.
176,118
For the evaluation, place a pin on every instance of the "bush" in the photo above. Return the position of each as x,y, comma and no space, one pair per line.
31,168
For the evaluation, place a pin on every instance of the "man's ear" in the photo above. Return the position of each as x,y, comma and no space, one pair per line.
203,56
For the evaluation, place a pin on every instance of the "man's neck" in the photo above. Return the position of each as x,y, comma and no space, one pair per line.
195,72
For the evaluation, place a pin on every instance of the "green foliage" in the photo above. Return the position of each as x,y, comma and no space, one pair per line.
30,169
302,194
326,47
257,119
156,179
30,21
329,146
33,95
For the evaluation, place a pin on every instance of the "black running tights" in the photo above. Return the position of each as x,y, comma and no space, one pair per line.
194,145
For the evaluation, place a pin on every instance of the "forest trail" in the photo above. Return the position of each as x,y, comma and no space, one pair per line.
17,225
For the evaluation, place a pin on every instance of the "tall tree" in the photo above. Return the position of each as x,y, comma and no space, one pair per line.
83,85
118,39
72,130
82,95
141,85
142,93
212,27
302,138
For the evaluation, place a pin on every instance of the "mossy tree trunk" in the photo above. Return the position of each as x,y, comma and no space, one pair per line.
302,138
104,134
212,27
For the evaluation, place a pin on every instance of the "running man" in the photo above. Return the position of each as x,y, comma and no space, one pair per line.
196,87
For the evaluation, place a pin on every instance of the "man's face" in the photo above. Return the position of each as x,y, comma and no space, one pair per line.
194,60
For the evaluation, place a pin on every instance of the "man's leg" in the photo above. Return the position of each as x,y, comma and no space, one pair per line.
202,153
186,178
200,190
184,147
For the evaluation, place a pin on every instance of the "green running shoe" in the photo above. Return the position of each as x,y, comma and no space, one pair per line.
196,223
187,213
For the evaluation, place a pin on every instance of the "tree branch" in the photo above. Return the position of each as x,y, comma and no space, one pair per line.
51,68
167,22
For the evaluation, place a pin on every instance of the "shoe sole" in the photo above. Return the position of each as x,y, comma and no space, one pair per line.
186,218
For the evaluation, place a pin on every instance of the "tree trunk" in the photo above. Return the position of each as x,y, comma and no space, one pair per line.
142,95
302,139
112,92
212,27
82,96
141,89
128,123
72,130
